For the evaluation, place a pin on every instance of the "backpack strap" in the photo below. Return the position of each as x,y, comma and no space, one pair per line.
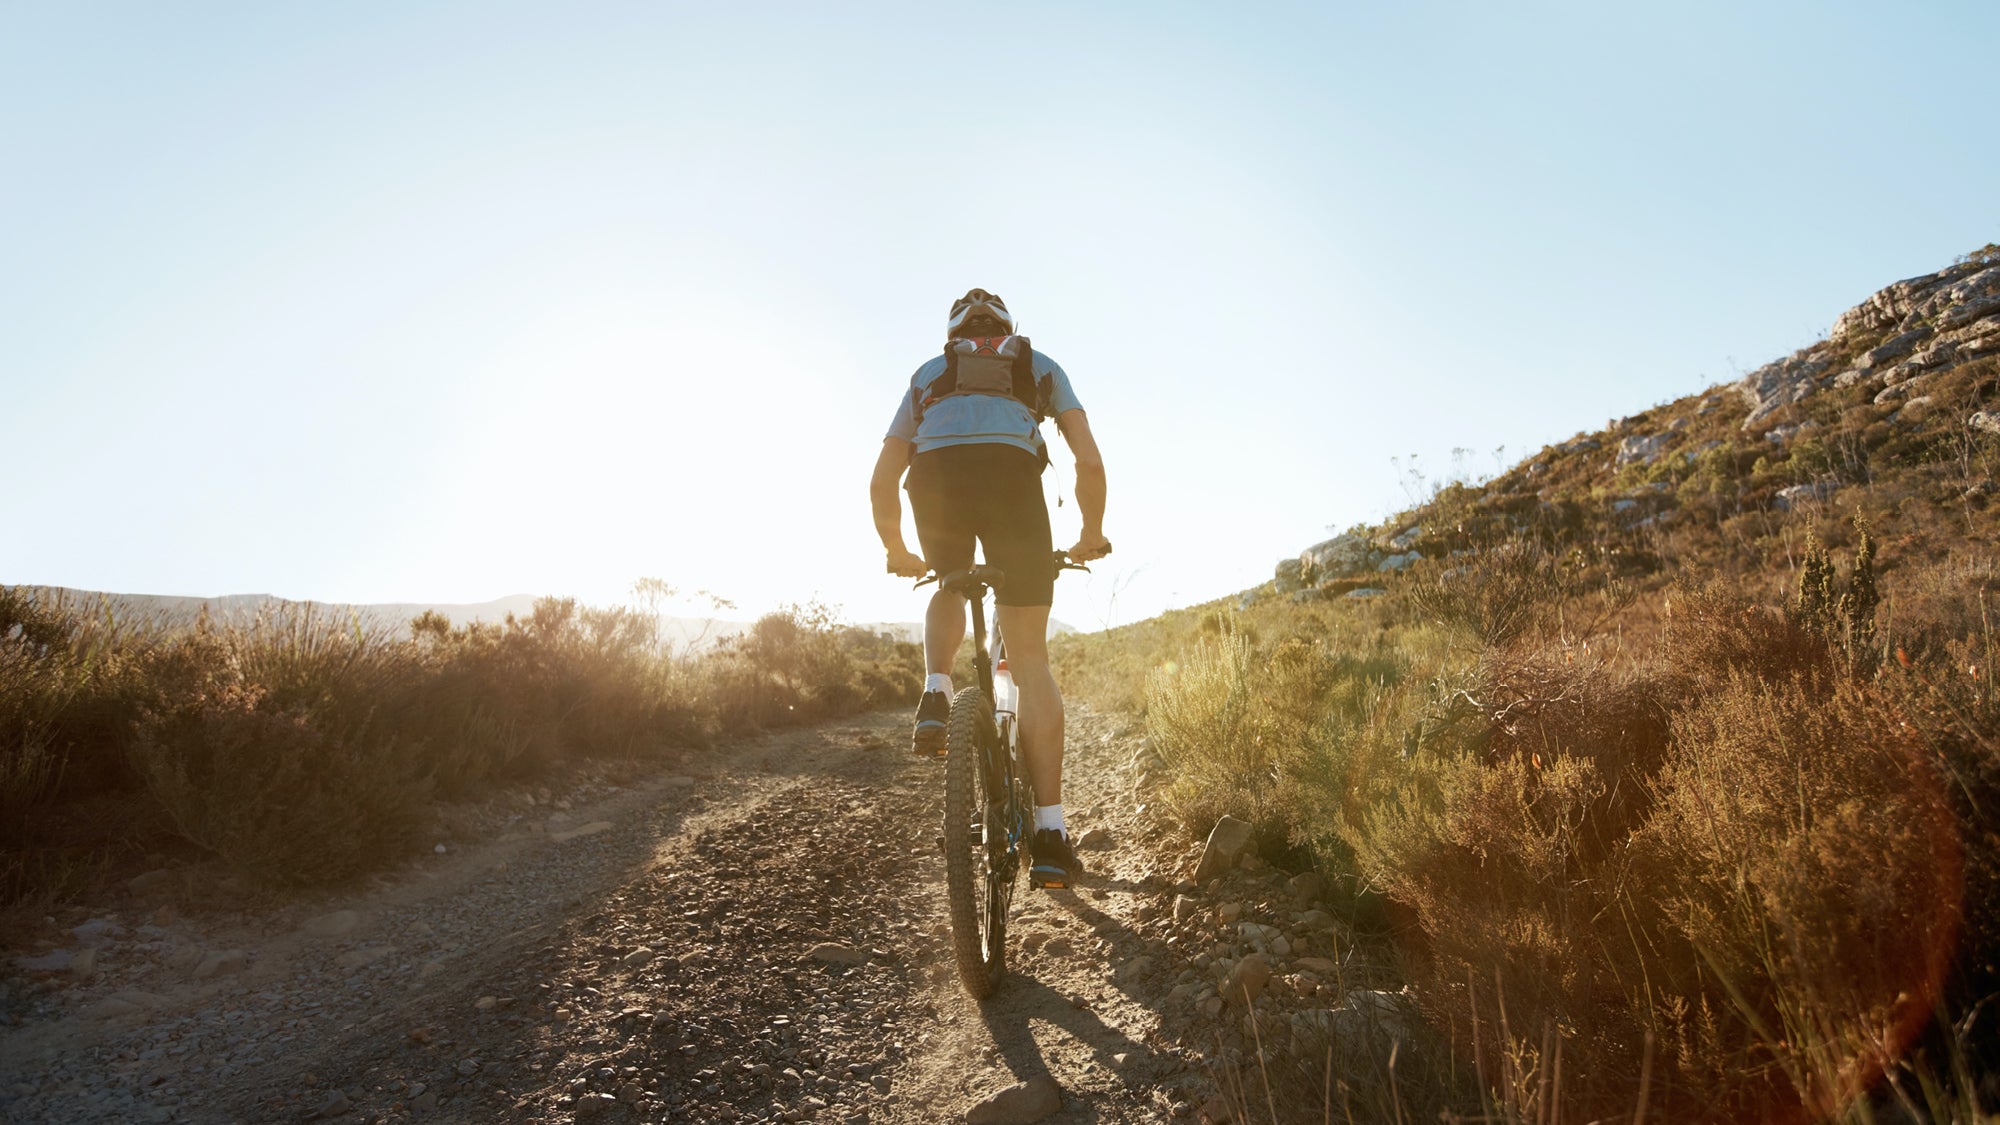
947,383
1024,380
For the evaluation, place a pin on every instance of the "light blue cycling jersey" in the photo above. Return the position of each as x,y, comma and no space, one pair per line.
972,419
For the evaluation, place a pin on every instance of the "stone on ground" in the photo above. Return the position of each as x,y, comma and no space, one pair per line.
156,884
834,953
1134,969
54,961
367,955
339,923
111,1008
222,963
1226,842
1246,981
1020,1104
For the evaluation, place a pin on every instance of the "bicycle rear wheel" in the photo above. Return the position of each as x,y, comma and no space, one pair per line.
978,913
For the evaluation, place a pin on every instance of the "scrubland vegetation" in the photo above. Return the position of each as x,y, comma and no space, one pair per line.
303,747
1676,805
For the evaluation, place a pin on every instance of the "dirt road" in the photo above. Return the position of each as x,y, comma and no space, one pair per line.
752,934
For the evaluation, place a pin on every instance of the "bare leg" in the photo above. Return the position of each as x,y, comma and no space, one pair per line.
944,631
1041,707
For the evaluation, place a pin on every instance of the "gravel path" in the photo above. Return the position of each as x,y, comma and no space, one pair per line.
756,934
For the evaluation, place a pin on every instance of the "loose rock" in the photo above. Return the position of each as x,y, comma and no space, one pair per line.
1020,1104
834,953
1247,980
1226,842
156,884
339,923
224,962
54,961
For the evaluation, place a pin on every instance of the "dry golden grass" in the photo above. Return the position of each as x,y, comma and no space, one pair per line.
1725,852
302,747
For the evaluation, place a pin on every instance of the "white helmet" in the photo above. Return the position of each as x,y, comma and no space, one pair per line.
978,313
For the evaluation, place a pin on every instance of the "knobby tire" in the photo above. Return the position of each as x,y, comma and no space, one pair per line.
978,930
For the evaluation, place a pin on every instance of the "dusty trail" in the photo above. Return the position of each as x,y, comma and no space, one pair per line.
758,938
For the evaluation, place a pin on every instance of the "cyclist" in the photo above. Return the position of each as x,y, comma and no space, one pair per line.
974,453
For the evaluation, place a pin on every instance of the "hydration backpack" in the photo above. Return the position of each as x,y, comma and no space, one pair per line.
988,365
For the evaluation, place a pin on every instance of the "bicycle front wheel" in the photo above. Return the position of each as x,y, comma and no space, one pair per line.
978,921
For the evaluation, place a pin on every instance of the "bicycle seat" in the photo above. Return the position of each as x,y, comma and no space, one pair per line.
965,581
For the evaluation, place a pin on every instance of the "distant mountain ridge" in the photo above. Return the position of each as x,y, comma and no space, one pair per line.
687,632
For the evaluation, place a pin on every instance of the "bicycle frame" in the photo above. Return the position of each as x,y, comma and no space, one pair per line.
1001,765
986,789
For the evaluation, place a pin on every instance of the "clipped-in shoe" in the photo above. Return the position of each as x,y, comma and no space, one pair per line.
933,712
1055,865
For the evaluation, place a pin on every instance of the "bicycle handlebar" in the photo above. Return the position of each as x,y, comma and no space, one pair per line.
993,576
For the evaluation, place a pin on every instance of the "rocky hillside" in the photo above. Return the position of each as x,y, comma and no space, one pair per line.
1898,398
1675,746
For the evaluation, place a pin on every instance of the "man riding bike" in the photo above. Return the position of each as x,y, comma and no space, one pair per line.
968,433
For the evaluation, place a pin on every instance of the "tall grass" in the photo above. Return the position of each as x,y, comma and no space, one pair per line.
304,746
1736,861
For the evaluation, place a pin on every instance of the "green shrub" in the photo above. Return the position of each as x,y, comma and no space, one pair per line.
1236,727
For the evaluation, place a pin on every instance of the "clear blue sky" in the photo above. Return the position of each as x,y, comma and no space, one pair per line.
399,302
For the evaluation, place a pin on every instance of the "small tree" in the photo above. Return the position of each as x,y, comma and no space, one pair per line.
1814,606
1857,605
1847,616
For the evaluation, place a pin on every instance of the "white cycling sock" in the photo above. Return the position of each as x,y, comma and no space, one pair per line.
1050,816
938,681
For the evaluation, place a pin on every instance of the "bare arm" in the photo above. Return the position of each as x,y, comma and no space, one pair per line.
1090,486
889,466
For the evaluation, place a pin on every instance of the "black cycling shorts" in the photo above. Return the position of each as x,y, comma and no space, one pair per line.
992,492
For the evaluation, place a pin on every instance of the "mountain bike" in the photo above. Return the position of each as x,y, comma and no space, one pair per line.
988,808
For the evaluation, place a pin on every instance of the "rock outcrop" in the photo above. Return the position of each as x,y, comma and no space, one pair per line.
1775,386
1643,448
1338,557
1895,340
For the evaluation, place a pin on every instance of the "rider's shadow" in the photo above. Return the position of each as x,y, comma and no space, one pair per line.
1126,942
1024,999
